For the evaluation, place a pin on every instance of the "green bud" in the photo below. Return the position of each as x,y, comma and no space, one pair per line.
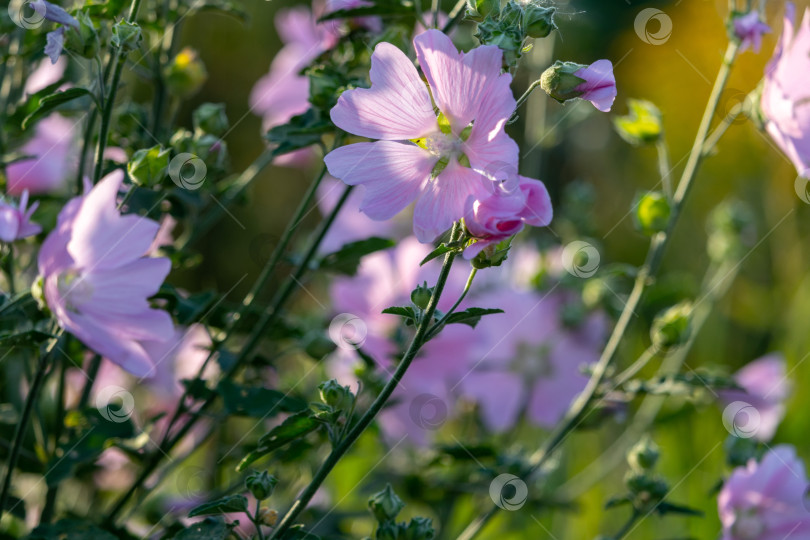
652,212
85,41
672,326
502,34
210,118
318,345
419,528
126,36
388,531
185,74
261,485
647,489
538,21
38,292
147,167
492,255
385,505
642,125
421,295
335,395
559,81
512,14
482,8
644,455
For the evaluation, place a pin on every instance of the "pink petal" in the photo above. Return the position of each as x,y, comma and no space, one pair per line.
489,146
600,84
393,174
125,289
538,211
396,107
446,200
459,82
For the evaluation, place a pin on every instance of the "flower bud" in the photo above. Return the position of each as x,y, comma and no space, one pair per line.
648,490
85,41
210,118
388,531
538,21
261,485
652,212
335,395
672,327
503,34
559,81
421,295
268,516
419,528
642,125
148,166
644,455
126,36
185,74
482,8
385,505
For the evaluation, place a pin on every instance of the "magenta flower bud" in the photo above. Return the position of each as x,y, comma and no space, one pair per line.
595,83
786,92
749,29
15,221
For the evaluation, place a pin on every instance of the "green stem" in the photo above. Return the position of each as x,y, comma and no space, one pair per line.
664,166
419,339
92,372
658,244
50,498
633,370
719,131
22,425
257,520
625,530
436,328
456,15
522,99
8,268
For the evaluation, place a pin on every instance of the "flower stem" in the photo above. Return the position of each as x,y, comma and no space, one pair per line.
436,328
658,244
664,166
419,339
456,15
522,99
22,426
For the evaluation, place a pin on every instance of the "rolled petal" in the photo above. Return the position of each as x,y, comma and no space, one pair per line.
447,199
393,174
54,43
600,84
459,82
396,107
538,211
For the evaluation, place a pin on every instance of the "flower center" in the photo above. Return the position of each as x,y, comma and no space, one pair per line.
74,289
747,525
443,145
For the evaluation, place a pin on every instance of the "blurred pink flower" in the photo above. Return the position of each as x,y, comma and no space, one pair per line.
600,84
54,152
44,75
398,108
15,221
97,282
180,357
371,23
765,501
786,92
749,29
766,387
503,214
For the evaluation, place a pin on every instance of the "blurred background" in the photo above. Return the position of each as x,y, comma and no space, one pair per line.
765,310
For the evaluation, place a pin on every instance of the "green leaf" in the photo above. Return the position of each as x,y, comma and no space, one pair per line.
22,338
664,508
347,259
208,529
301,131
439,251
187,309
225,505
472,316
294,427
69,529
256,402
407,312
51,102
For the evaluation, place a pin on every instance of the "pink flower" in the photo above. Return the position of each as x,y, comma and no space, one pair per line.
503,214
600,84
786,93
372,24
15,221
765,501
54,149
398,109
749,30
96,280
180,357
765,387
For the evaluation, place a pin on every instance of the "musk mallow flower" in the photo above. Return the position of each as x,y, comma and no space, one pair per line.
749,28
96,280
786,92
53,152
765,500
435,161
517,202
15,220
595,83
55,40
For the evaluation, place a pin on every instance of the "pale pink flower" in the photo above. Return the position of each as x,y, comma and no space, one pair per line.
786,92
180,357
53,148
398,109
44,75
371,23
765,386
600,84
766,500
749,29
97,281
15,220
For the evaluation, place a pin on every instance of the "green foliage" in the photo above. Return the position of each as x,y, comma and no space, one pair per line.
347,259
296,426
301,131
208,529
256,402
49,103
225,505
69,529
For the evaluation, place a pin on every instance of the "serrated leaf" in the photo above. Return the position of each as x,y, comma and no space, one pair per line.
225,505
347,259
301,131
256,402
294,427
402,311
208,529
49,103
471,316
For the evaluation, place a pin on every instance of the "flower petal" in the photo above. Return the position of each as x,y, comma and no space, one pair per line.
396,107
393,174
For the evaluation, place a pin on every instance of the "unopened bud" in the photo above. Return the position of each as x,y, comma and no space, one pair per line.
652,212
126,36
148,166
185,74
672,327
385,505
644,455
559,81
210,118
538,21
642,125
335,395
261,485
421,296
